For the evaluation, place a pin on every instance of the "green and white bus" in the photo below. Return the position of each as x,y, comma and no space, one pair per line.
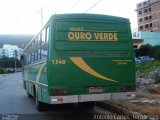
80,58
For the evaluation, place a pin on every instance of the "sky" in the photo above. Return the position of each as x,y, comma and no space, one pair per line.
24,16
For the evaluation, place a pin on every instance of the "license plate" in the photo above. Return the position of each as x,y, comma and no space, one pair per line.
95,89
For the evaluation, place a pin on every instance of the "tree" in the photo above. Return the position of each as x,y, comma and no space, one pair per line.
9,62
149,50
144,50
156,52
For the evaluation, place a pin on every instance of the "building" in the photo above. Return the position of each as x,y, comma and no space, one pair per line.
142,38
10,51
137,43
152,38
137,40
11,42
148,15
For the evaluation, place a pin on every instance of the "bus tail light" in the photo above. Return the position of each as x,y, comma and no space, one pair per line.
59,91
57,100
60,100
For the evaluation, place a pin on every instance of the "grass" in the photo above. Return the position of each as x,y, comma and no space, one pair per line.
142,69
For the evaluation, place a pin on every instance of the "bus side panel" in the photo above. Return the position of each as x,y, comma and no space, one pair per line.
35,77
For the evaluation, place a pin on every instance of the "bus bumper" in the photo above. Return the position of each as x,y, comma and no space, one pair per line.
91,97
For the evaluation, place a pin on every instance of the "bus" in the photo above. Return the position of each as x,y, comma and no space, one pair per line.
80,58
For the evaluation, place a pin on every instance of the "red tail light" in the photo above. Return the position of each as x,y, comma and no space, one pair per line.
60,99
129,88
56,91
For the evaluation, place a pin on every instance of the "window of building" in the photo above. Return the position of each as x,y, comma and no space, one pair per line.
150,25
149,9
140,20
141,27
140,12
146,26
145,11
146,18
150,17
144,3
139,5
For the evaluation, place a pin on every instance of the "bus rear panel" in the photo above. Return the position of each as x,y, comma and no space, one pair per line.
90,58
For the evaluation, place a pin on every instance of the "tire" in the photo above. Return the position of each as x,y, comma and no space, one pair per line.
40,106
24,85
29,95
86,104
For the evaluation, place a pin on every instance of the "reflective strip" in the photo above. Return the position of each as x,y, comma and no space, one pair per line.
126,95
91,97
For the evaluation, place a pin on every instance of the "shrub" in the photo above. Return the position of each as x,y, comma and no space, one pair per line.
148,50
2,70
157,80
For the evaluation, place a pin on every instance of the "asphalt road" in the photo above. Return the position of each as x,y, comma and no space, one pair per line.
15,105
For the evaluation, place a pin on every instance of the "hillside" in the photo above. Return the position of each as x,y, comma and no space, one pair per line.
20,40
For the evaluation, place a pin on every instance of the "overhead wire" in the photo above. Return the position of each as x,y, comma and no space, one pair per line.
73,5
93,6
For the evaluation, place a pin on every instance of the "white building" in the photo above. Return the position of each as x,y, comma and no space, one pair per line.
1,53
10,51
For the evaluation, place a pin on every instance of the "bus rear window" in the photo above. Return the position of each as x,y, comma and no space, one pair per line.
91,36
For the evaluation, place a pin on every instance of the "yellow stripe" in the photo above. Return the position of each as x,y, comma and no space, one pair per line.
82,65
38,76
94,40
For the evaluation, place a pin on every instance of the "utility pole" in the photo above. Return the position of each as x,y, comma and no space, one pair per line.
15,58
42,16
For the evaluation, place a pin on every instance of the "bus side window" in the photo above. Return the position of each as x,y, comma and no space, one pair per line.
40,40
32,57
44,50
30,53
29,58
24,59
43,36
36,51
44,47
47,33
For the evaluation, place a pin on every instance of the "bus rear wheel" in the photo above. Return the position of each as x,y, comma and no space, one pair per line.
40,105
29,95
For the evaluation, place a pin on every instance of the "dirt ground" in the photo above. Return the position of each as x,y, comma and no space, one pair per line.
146,104
147,100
